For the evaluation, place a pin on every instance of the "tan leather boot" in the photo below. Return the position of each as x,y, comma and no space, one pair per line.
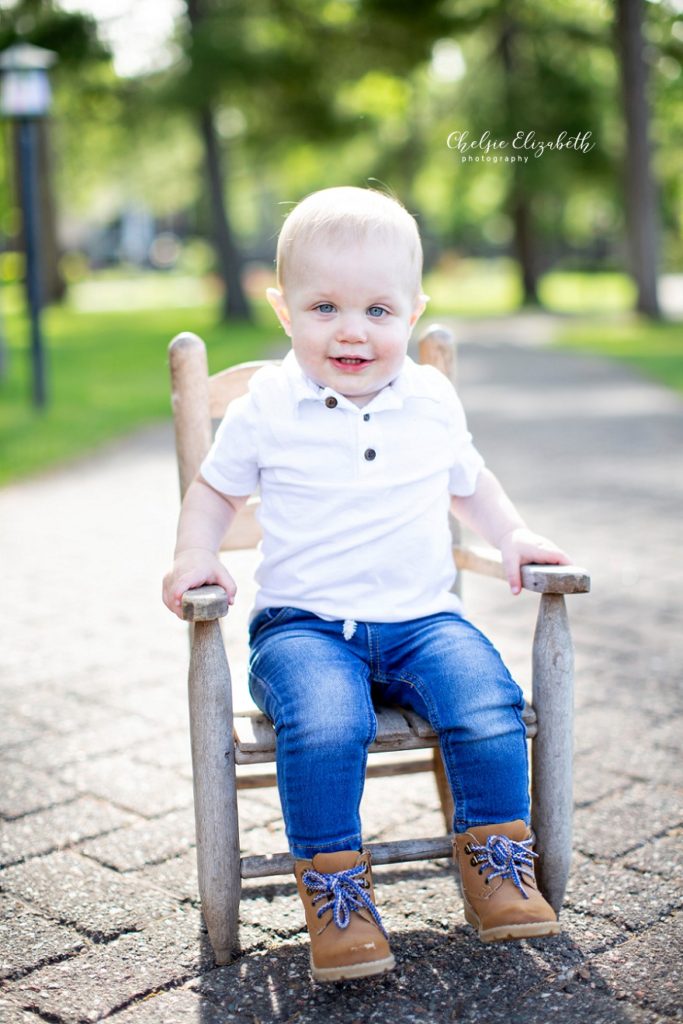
498,883
347,936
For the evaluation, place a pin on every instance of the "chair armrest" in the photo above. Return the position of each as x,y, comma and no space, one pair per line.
203,604
543,579
556,579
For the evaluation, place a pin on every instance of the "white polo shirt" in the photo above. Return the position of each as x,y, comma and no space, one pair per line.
354,501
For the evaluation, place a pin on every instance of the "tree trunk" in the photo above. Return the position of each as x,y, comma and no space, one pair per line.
524,242
641,202
524,245
235,303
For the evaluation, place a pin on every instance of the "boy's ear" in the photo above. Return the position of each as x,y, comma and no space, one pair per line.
277,301
418,309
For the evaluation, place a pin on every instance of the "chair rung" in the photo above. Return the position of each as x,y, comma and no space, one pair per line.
373,771
399,852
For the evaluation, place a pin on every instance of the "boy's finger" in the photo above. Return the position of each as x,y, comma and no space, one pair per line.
514,576
225,580
189,581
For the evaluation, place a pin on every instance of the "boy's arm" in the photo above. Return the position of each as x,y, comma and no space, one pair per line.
492,515
205,517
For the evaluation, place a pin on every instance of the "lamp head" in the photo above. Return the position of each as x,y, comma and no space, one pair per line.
25,87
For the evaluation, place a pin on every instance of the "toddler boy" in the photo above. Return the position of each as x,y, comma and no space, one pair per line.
358,453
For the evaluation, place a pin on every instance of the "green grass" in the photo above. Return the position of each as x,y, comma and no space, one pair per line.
654,349
493,288
107,374
564,291
472,288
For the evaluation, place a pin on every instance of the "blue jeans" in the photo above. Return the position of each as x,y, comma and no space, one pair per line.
318,687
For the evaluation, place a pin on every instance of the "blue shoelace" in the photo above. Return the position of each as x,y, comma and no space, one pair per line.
346,895
505,858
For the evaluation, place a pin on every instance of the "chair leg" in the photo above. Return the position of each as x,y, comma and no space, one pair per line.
443,789
551,788
215,790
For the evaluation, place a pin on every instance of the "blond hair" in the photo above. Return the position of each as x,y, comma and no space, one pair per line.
349,215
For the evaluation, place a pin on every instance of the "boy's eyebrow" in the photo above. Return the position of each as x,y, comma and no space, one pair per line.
312,293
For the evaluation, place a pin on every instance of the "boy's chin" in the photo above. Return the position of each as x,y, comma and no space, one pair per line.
361,397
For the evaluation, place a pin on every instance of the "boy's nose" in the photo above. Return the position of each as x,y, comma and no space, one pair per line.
352,329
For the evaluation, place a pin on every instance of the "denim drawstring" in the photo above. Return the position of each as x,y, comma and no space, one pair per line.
505,858
349,628
347,895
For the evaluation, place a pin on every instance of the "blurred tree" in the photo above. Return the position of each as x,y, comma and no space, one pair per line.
280,65
535,82
641,201
349,77
525,73
520,194
292,95
664,35
551,68
235,302
74,38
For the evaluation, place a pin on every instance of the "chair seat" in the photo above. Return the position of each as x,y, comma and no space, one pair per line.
397,729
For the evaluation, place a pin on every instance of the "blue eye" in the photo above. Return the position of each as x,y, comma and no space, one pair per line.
325,307
376,311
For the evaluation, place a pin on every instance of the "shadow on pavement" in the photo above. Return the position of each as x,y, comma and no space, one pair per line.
441,975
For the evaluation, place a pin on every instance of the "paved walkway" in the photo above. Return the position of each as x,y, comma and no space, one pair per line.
98,903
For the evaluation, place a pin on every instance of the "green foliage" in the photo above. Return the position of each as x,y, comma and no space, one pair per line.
72,35
526,73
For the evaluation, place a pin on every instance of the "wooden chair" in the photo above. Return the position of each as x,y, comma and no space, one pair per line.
221,740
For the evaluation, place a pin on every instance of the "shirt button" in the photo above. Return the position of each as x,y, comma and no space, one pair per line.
369,454
366,416
330,402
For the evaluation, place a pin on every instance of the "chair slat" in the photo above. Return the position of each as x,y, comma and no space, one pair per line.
419,726
392,728
230,384
254,733
266,780
399,852
245,531
397,729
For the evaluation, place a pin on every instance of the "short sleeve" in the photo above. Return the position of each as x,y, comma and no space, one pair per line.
467,461
231,464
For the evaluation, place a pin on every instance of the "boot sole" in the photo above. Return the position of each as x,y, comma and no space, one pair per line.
532,930
350,971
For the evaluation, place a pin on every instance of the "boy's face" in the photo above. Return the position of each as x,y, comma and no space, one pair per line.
349,311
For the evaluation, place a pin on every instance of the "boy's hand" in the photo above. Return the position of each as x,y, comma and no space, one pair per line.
193,568
522,546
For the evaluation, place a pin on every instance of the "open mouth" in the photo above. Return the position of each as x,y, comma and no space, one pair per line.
353,362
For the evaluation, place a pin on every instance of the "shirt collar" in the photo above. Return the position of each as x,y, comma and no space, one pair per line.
408,384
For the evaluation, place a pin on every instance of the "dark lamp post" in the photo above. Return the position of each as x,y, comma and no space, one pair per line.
25,97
